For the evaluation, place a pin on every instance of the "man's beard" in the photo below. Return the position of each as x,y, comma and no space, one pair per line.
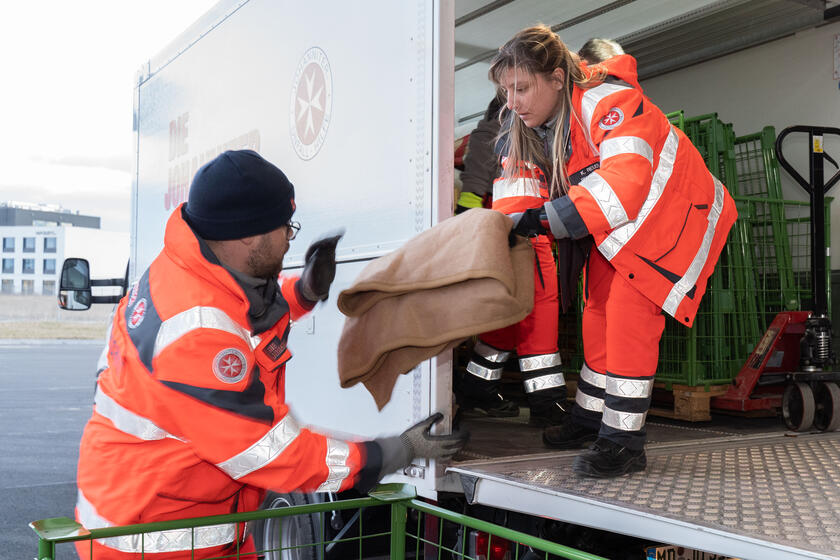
263,263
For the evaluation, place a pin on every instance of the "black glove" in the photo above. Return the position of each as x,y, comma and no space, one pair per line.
529,223
418,442
319,268
423,444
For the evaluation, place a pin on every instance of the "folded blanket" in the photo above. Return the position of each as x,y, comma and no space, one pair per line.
455,280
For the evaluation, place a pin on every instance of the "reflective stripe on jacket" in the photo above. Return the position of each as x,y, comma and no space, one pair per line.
525,188
190,416
654,209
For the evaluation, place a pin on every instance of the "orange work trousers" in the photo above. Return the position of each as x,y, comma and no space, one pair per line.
536,334
621,332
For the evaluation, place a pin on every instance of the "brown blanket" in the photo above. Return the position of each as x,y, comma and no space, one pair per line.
455,280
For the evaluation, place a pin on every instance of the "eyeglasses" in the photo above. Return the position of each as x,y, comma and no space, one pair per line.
293,229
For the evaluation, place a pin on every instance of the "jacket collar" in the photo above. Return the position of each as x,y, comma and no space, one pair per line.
623,67
259,299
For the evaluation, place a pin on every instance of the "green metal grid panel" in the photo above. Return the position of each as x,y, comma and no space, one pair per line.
758,171
401,538
728,163
715,140
764,267
744,294
757,166
433,523
677,118
706,133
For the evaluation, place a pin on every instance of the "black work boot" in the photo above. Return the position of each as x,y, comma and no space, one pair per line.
569,435
554,414
495,406
477,397
549,406
607,459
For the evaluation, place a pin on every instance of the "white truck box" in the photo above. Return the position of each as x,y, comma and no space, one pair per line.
355,113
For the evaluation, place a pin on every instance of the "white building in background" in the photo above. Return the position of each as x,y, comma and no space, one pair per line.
36,238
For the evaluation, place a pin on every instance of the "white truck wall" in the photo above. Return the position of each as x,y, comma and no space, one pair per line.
235,88
243,77
782,83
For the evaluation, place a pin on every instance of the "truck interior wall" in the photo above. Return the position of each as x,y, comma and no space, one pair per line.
782,83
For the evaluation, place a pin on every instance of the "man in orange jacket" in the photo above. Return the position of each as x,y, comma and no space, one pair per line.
190,417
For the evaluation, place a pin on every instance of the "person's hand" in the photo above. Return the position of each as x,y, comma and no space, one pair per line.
319,268
424,445
528,223
418,442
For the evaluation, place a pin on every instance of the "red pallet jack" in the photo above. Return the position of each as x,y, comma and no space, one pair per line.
792,366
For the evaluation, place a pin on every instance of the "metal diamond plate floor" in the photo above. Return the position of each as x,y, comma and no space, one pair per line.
754,496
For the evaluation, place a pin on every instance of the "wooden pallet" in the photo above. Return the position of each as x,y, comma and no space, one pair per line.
689,403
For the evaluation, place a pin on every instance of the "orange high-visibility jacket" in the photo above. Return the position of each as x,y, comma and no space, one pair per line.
644,193
525,188
190,417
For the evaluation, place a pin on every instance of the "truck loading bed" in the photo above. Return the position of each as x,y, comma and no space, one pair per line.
743,487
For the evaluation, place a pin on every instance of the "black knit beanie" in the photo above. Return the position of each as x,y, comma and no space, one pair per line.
239,194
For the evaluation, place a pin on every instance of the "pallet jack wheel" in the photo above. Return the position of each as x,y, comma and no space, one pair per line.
827,414
798,406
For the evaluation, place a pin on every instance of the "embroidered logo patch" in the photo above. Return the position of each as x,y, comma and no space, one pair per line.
612,119
275,349
132,297
137,314
230,365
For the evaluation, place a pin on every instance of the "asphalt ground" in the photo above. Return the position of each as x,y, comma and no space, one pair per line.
46,396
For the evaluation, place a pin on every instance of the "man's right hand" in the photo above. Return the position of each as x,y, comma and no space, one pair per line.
417,442
319,268
424,445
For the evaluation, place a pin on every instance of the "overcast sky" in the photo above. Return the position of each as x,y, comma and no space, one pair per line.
68,68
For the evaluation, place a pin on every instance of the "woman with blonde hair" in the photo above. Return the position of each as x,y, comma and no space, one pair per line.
624,182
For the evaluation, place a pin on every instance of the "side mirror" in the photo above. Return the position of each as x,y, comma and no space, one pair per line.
74,289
